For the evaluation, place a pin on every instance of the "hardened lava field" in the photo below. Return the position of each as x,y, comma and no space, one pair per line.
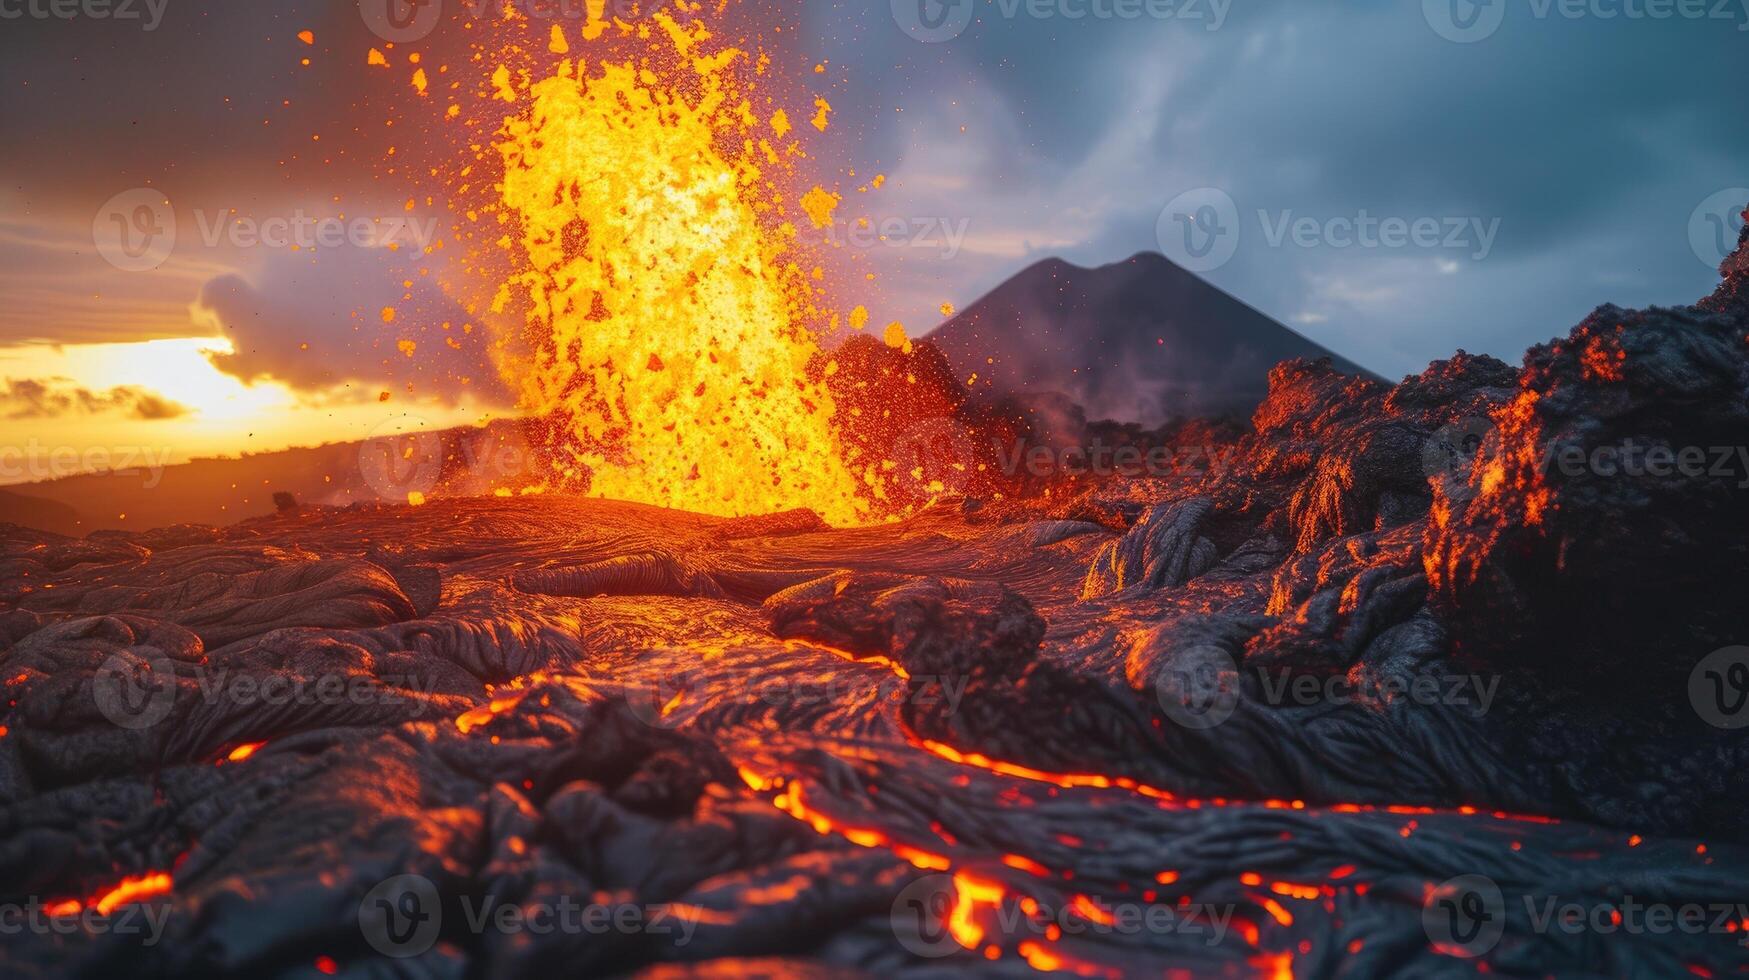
991,737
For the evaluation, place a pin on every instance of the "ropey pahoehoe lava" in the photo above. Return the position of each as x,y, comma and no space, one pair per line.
799,659
963,739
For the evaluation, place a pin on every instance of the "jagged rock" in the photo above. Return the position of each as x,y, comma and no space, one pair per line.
1572,556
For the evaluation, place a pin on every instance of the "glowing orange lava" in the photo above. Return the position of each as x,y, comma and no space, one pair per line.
129,890
668,311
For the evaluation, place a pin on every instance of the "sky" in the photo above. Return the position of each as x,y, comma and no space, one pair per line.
1395,180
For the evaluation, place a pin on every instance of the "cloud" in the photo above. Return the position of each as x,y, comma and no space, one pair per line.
1323,112
351,315
48,398
1321,109
58,289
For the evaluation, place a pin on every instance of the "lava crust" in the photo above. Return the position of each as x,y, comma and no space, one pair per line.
776,736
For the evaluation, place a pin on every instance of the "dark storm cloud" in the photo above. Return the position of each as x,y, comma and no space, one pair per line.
1590,140
318,322
47,398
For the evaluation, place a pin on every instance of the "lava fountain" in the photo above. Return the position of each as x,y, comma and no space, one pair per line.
670,313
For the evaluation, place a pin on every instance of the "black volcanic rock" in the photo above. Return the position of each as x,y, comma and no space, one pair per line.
296,736
1140,340
1603,522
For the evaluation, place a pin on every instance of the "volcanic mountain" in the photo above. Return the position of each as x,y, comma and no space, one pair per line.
1138,341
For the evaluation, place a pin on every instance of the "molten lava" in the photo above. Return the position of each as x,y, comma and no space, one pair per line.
668,311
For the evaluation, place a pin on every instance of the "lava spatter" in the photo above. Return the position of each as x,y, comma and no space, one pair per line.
668,311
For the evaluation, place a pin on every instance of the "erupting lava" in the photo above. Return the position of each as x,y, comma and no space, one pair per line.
668,311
